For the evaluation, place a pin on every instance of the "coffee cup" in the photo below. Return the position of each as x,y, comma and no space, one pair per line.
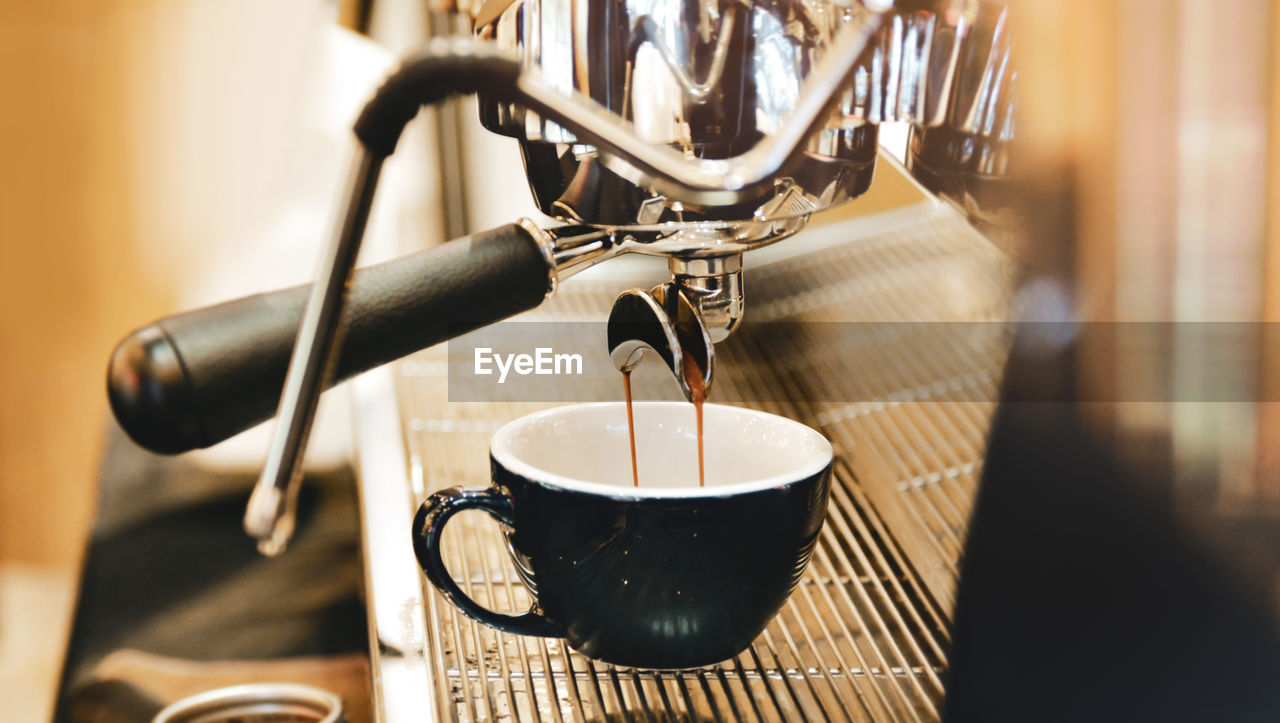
666,575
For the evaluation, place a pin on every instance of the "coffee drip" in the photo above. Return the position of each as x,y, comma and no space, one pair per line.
697,384
663,323
695,378
631,428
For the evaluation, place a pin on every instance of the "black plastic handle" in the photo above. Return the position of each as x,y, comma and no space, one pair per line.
197,378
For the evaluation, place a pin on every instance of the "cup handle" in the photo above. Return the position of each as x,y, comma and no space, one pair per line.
428,526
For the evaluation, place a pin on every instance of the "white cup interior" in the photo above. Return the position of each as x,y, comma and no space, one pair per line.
586,447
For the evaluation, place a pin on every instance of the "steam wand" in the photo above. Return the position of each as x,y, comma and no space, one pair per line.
270,515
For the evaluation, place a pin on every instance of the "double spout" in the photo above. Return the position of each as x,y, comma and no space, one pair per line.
680,321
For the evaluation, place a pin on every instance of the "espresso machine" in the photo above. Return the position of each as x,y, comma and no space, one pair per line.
707,132
701,132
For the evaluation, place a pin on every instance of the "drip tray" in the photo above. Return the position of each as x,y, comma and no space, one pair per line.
865,633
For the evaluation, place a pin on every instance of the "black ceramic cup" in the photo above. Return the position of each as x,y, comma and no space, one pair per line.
666,575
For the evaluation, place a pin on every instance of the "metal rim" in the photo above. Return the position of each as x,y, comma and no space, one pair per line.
260,698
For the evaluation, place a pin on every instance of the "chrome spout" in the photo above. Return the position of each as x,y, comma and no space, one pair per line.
713,284
665,322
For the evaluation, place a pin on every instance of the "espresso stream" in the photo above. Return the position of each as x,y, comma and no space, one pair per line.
694,377
631,428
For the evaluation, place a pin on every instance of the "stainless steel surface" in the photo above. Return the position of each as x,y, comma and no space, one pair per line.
579,248
985,84
547,247
451,117
661,64
734,178
404,680
269,517
864,636
709,79
973,143
714,284
665,322
918,387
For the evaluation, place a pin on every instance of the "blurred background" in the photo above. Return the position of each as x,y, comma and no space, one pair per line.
154,156
158,155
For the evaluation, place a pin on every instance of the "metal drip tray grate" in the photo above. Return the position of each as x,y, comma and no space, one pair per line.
859,631
865,634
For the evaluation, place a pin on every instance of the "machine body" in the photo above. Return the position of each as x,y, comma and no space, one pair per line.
697,131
